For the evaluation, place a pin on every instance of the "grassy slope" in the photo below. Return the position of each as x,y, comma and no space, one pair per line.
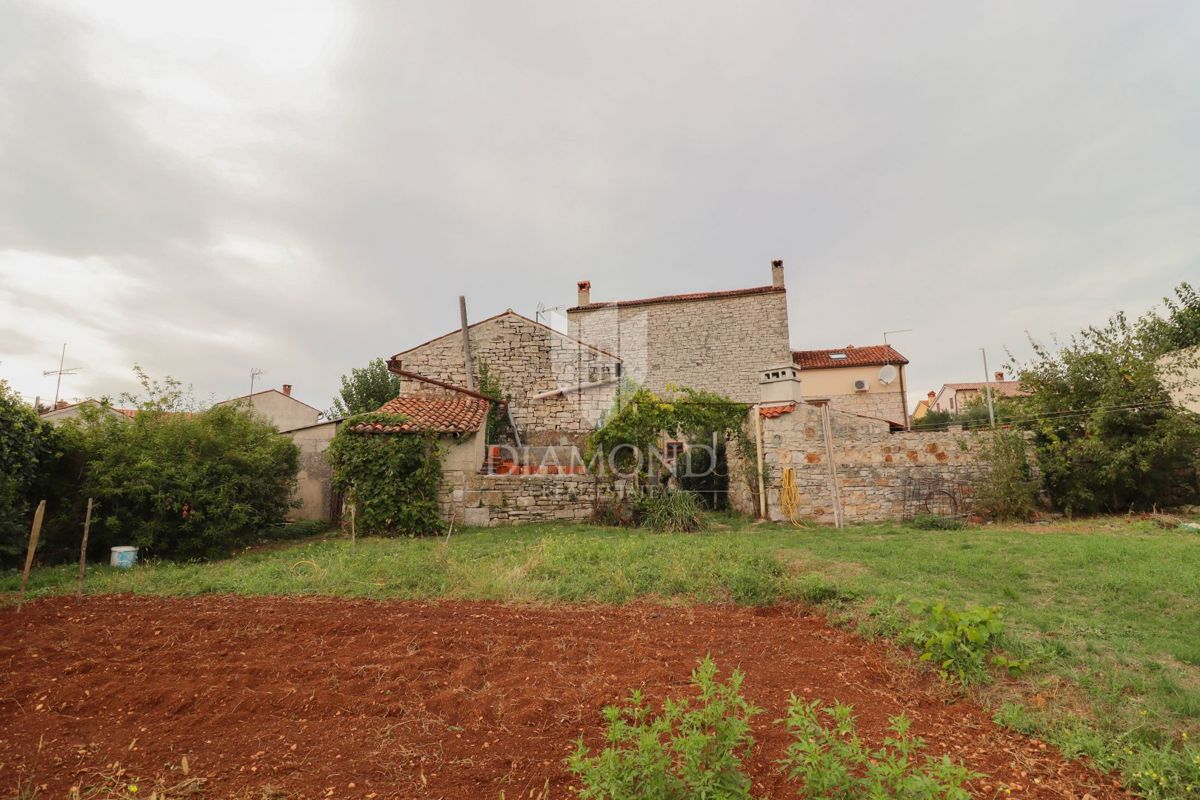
1109,611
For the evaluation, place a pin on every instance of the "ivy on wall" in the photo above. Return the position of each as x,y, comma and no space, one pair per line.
393,477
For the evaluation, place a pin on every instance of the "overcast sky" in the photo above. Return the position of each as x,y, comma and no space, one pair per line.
207,188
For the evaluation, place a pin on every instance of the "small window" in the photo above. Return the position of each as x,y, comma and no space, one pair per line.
837,356
674,449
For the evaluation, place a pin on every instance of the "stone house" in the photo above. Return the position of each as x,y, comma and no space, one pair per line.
862,380
558,387
955,397
716,341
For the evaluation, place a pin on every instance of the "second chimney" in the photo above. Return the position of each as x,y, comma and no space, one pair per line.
585,293
777,273
287,390
1000,376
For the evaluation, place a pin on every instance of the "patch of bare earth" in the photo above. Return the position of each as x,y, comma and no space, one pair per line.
320,697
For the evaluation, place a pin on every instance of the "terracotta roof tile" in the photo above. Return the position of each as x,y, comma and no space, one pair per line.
683,298
771,412
875,355
461,414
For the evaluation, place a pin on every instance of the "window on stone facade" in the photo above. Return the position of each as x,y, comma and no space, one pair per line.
674,450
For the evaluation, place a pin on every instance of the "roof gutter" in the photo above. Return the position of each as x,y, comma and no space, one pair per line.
395,368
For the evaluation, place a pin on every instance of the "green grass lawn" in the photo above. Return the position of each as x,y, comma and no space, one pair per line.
1107,611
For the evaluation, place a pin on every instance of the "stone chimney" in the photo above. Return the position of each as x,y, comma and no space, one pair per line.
585,293
777,273
999,376
287,390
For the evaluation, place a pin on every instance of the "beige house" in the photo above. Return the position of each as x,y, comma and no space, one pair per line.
955,397
66,411
279,408
1180,376
866,380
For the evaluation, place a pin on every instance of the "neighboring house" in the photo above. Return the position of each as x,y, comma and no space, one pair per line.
558,387
278,408
716,341
65,411
923,407
955,397
866,380
1180,376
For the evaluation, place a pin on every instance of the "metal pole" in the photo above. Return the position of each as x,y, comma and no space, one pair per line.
58,383
987,377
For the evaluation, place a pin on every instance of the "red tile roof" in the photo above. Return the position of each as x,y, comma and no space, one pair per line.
460,414
771,412
683,298
875,355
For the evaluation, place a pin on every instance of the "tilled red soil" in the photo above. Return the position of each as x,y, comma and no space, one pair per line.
328,697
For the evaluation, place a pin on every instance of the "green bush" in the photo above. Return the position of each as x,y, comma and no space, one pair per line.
37,461
693,749
936,522
669,512
958,642
1008,490
832,762
393,477
185,485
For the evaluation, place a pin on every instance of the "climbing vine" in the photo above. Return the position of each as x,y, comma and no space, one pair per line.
393,477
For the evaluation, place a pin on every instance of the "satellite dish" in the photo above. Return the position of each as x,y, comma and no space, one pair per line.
887,374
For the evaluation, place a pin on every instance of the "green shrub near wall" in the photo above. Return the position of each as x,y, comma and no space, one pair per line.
393,477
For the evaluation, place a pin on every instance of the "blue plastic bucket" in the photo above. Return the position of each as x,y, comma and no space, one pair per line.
123,557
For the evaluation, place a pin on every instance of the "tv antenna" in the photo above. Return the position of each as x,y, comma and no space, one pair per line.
544,310
899,330
255,373
60,372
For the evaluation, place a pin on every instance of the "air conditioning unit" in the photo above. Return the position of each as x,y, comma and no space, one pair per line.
860,386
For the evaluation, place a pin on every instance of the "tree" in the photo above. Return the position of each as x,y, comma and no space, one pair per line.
364,390
31,452
1108,437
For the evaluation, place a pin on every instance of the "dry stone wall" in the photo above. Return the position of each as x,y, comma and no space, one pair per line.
879,475
529,360
494,500
717,344
881,405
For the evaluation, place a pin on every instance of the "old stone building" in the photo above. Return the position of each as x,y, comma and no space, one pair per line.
717,341
558,388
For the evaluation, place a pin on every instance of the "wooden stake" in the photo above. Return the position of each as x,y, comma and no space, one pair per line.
758,448
353,528
34,533
87,526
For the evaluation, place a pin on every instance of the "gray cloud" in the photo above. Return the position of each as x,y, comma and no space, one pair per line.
970,172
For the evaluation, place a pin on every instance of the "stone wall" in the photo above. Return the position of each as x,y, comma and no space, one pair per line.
879,475
718,344
529,360
493,500
880,405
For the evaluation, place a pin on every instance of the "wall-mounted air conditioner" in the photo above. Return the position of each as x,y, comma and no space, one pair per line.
860,386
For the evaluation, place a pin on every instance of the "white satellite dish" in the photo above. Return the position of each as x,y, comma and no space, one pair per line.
887,374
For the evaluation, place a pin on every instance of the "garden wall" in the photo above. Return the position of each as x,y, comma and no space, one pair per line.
878,475
492,500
